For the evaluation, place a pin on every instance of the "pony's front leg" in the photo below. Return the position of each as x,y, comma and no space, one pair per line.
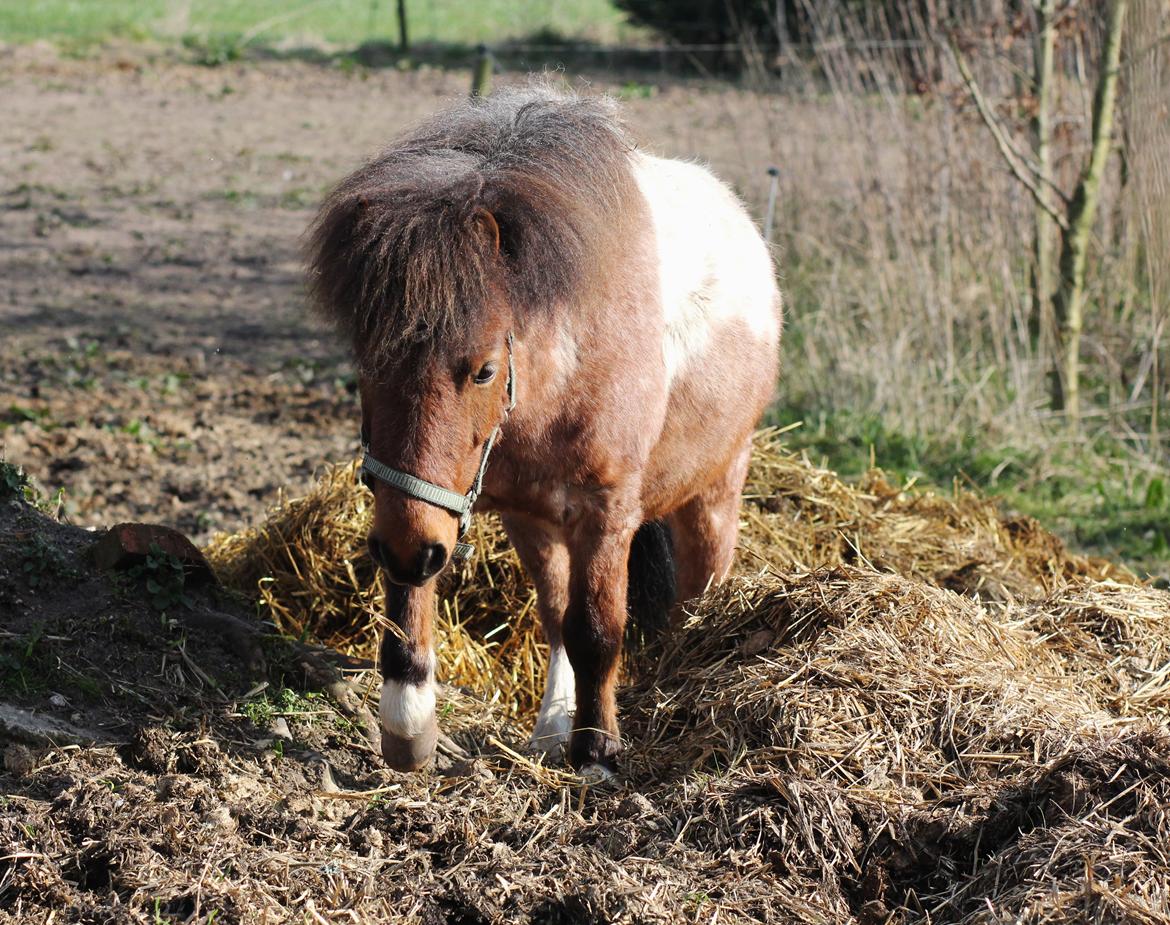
407,709
545,557
595,622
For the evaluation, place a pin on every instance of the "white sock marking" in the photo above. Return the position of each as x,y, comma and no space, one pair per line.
554,723
407,709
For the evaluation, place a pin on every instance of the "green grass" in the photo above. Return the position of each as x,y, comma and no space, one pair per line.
1097,495
219,23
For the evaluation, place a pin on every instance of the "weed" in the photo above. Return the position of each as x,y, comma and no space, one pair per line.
214,49
242,198
17,414
632,90
165,579
345,725
286,702
14,482
23,662
298,198
42,564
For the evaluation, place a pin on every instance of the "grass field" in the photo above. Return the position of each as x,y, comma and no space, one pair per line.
312,22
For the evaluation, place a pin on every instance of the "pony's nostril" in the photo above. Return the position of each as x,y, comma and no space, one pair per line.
377,551
432,559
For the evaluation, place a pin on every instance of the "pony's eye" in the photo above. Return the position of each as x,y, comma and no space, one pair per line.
486,374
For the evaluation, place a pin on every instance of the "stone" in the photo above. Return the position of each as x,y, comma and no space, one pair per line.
279,728
128,544
39,729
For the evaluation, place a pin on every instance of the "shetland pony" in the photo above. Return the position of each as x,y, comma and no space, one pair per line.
515,269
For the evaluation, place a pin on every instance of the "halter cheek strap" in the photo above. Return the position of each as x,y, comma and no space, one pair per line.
457,504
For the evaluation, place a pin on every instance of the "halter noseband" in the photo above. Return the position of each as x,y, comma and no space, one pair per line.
431,493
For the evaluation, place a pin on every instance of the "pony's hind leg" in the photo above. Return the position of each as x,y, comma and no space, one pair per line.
706,528
546,560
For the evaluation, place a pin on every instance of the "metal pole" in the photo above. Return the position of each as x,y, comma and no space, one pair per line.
774,173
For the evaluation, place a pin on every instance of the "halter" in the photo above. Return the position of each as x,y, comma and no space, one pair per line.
431,493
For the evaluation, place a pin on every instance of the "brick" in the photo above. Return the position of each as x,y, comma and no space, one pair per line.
127,545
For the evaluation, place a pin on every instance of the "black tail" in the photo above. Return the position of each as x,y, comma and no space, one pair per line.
652,587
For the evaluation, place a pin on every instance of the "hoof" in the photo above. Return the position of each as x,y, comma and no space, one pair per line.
413,754
596,775
594,747
551,738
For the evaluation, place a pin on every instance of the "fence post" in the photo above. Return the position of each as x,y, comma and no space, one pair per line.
403,34
769,216
481,76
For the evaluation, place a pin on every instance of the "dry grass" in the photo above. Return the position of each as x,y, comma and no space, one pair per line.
309,565
909,754
903,708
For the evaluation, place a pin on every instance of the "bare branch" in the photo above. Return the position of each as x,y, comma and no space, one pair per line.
1019,168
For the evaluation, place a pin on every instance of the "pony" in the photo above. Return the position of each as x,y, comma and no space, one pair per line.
517,279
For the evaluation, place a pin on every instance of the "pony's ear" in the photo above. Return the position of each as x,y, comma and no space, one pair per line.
489,227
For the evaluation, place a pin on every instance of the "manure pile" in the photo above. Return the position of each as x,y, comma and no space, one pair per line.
903,708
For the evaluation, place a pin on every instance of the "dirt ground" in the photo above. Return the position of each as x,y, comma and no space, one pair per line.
157,360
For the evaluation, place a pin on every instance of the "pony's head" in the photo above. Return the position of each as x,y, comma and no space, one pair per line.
481,222
430,414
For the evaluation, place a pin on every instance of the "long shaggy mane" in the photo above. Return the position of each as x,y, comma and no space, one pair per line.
395,257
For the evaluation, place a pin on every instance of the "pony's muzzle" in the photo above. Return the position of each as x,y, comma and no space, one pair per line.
424,565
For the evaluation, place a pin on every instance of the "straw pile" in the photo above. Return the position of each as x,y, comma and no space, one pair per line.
308,562
800,517
907,753
309,566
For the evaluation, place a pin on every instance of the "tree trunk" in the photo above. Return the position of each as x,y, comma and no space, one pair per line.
1068,303
403,34
1043,339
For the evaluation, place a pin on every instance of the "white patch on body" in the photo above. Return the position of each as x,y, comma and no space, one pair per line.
563,355
408,709
713,266
554,723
